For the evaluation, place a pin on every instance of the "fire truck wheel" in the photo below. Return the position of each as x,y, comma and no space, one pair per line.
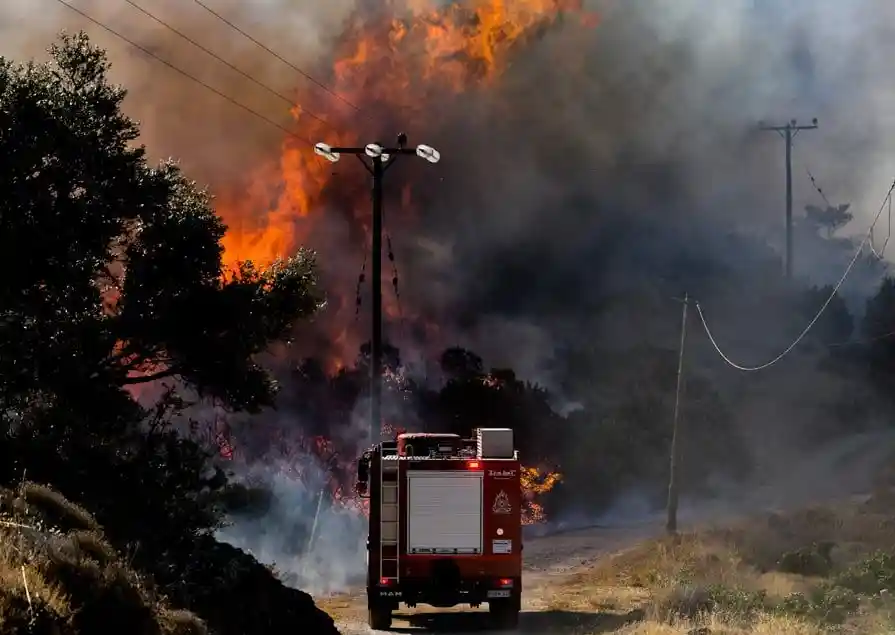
380,618
505,615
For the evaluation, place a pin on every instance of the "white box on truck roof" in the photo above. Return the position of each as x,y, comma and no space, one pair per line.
444,512
494,443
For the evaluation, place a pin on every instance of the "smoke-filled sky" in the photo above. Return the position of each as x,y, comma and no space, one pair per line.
586,158
650,114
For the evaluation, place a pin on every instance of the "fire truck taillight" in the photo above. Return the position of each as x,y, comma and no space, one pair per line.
385,581
473,465
505,582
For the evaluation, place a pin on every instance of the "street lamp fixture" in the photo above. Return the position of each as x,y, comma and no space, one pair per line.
326,152
428,153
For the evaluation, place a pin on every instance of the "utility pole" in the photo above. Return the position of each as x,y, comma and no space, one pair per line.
381,159
671,523
789,132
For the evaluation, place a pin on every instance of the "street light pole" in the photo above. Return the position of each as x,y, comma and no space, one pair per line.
381,159
378,171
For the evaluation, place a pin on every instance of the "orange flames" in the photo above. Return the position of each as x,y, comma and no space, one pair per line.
395,68
398,62
535,482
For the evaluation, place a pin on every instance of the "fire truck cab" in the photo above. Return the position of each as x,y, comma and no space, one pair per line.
445,524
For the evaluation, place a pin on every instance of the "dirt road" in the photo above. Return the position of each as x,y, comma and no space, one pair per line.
547,561
837,471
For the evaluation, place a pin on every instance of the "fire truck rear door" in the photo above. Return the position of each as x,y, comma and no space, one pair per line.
444,512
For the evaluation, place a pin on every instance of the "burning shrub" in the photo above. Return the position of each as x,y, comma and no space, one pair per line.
318,444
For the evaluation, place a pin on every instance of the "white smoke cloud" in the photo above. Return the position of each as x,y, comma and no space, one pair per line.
311,541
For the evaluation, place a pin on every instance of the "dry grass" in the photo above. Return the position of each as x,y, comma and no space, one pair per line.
728,580
59,575
715,625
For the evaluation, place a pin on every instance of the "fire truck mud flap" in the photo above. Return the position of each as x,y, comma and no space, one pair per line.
504,614
504,606
380,616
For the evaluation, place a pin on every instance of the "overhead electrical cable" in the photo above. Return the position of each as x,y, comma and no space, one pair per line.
229,65
814,320
361,278
868,340
882,250
282,59
185,74
818,188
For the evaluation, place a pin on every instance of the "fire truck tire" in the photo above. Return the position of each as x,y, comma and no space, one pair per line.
380,618
504,615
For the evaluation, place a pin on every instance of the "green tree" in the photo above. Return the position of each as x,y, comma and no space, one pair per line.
878,328
112,267
113,276
472,397
834,326
828,219
620,437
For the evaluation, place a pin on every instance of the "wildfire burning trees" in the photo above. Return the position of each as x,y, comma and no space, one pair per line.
396,66
318,440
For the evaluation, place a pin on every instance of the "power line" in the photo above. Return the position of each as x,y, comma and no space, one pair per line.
879,254
816,185
362,276
818,188
229,65
276,55
391,258
184,73
814,320
868,340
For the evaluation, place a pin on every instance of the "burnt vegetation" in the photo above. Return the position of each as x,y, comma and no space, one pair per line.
113,278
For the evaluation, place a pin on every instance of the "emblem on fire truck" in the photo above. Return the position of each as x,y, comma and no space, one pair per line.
502,504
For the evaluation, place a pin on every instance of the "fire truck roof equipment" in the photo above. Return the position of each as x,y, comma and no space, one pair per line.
494,443
420,444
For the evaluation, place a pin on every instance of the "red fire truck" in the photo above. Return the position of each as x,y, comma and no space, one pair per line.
445,524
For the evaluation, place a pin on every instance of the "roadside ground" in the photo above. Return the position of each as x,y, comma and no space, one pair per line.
823,569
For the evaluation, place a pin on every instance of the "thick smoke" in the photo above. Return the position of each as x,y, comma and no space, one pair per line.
598,161
311,543
215,140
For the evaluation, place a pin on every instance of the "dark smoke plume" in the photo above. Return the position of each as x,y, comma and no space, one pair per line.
603,162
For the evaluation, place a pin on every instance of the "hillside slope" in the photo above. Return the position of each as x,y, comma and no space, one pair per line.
60,576
823,569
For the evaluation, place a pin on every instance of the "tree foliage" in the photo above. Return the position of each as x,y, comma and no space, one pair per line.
828,219
113,268
835,325
610,431
878,330
114,277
